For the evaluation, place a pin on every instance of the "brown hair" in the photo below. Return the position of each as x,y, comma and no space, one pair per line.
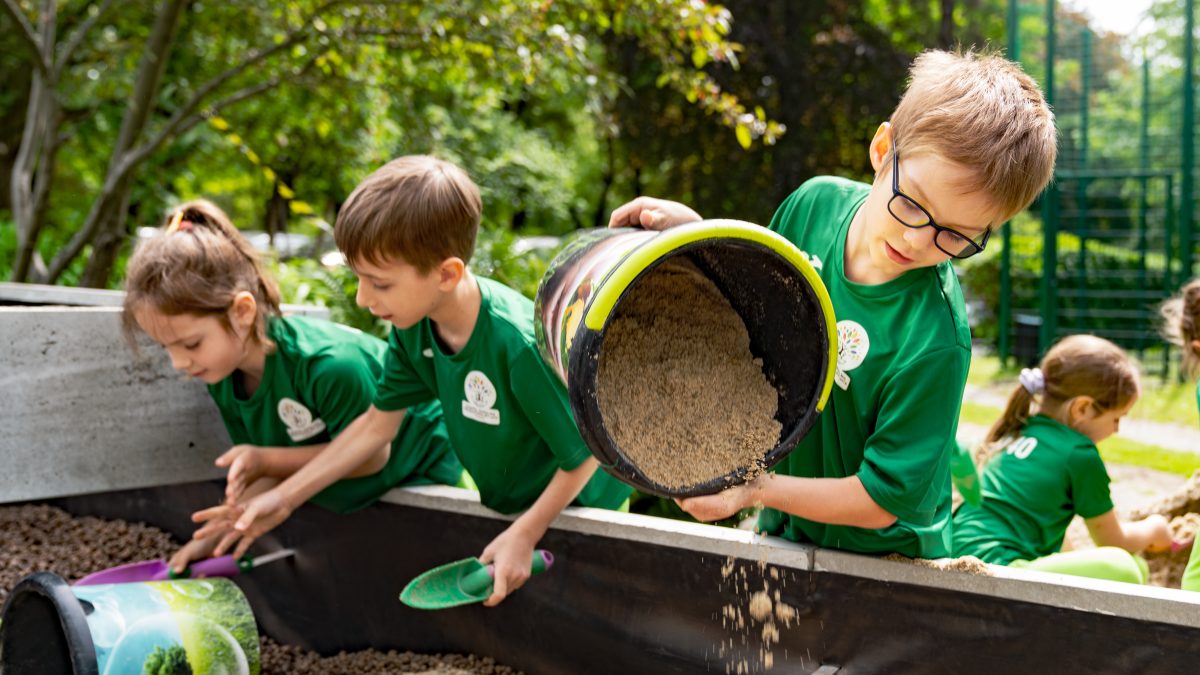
197,265
418,209
1181,324
982,111
1078,365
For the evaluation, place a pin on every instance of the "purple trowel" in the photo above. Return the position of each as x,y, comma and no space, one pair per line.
159,570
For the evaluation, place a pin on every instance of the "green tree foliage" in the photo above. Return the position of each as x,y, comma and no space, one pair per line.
313,91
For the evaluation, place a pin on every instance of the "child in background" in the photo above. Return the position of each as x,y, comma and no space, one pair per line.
1181,327
971,144
1045,468
408,231
285,386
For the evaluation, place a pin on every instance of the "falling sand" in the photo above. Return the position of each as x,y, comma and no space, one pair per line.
679,390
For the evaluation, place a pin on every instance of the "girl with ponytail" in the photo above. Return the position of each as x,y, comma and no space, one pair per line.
1044,469
285,386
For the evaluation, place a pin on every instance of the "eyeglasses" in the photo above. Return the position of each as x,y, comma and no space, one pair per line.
911,214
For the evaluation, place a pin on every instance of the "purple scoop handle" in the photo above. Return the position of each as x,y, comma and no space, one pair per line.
224,566
159,570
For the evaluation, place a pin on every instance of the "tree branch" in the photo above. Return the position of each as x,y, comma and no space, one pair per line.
76,37
28,38
182,125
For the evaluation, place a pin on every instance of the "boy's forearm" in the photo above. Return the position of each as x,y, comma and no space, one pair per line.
836,501
281,462
342,456
559,493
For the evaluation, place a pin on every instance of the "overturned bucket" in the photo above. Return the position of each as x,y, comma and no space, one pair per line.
766,280
183,626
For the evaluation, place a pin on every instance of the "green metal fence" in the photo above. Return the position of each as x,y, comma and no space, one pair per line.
1115,227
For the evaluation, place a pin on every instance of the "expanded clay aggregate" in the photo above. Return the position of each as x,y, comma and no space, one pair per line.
679,390
41,538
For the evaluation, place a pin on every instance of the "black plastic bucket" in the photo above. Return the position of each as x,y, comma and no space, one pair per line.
192,625
765,278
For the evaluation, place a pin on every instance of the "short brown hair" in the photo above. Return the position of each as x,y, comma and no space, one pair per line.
982,111
417,208
197,266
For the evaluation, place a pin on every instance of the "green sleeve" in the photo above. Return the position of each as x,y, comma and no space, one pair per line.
906,461
1089,482
400,386
542,396
341,388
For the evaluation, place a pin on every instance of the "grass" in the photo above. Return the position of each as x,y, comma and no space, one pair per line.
1114,450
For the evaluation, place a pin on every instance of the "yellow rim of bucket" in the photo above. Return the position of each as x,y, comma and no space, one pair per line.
611,289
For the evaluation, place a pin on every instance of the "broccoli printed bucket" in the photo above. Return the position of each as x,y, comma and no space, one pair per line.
159,627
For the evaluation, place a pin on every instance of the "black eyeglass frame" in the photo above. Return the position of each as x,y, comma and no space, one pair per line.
970,248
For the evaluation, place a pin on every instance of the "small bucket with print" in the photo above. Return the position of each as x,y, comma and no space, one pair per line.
695,358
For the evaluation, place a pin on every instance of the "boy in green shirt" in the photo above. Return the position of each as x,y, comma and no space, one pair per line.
971,144
408,231
285,386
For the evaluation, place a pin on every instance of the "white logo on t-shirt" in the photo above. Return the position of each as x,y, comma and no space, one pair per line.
299,420
480,397
428,353
813,260
853,345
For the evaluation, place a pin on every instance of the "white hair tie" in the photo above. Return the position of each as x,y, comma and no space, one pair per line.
1033,380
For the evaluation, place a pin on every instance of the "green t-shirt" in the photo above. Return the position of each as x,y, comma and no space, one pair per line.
903,354
1031,491
507,412
321,377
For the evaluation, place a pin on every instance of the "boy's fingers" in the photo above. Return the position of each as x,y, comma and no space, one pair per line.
221,512
226,542
229,455
499,591
244,546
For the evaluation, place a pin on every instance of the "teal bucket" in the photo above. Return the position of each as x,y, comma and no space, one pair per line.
183,626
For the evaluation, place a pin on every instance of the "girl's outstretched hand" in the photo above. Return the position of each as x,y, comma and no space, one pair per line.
245,464
242,523
1160,533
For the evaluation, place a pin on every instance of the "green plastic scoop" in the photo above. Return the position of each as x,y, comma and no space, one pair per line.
461,582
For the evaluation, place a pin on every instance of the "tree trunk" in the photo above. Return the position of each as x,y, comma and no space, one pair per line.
33,169
946,33
105,227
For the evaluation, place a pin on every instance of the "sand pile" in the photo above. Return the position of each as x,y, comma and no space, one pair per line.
1182,509
678,388
35,538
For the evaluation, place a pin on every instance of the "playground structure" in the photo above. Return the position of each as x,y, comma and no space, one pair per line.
628,593
1115,233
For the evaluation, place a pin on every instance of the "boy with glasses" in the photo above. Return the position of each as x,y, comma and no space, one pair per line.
970,145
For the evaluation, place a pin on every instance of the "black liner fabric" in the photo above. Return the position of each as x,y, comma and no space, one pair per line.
616,606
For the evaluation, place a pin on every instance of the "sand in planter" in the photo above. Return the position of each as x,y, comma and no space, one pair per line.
1181,508
36,538
679,390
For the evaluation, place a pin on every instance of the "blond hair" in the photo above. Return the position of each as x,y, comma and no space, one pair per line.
1181,324
982,111
1078,365
197,265
418,209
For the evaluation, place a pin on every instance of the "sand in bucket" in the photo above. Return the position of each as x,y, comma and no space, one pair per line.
679,389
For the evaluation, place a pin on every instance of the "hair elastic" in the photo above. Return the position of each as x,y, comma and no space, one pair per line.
178,224
1033,380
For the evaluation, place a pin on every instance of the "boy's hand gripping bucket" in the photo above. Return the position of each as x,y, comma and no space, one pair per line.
766,280
184,626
